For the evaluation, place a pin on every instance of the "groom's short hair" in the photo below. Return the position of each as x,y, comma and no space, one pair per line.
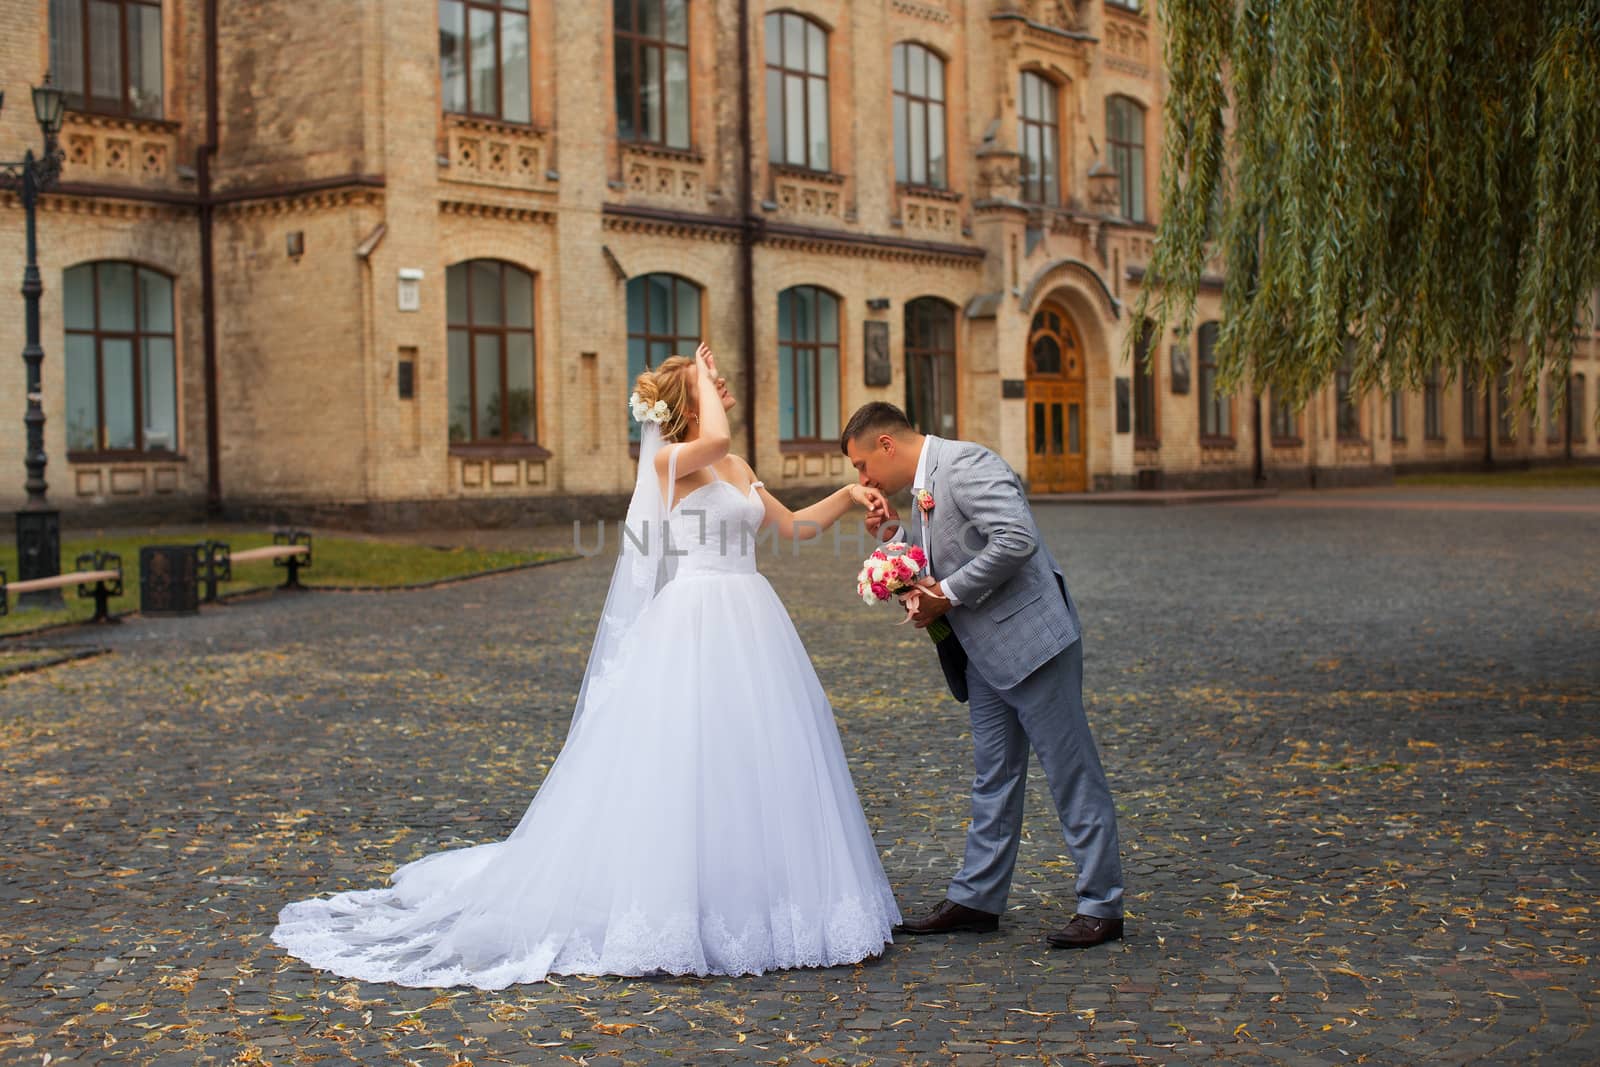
873,419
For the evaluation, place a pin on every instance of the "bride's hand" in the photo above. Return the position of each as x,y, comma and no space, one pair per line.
707,360
867,497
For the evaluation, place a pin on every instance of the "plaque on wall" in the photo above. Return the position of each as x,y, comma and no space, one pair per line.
1124,407
875,364
1013,388
1180,370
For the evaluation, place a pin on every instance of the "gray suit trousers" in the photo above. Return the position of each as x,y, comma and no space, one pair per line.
1045,710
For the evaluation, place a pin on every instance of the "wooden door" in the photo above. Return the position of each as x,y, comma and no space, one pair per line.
1058,424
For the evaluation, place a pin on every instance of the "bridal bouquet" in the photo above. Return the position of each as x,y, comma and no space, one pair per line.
892,570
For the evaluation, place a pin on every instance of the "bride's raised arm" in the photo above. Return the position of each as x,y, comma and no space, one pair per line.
711,444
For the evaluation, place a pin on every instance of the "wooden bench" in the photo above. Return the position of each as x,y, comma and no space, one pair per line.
102,569
290,549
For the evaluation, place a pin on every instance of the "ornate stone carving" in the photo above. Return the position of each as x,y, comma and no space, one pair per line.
663,176
929,214
1072,15
807,195
108,149
494,153
999,174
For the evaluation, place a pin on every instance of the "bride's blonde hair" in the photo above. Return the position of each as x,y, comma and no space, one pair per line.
668,382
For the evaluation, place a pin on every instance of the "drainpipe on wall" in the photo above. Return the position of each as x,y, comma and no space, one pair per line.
747,239
208,316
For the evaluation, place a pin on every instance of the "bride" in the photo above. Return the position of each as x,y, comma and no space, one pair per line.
700,818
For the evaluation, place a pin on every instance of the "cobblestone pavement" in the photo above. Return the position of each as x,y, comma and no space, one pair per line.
1354,752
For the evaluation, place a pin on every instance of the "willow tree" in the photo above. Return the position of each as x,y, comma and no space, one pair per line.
1411,184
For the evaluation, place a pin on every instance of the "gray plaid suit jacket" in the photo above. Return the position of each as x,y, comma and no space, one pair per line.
1014,612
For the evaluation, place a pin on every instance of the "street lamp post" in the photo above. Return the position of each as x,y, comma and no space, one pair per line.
38,525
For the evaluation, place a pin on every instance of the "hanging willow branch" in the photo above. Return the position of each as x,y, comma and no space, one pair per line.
1413,185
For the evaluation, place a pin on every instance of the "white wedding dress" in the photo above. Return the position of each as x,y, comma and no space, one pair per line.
699,820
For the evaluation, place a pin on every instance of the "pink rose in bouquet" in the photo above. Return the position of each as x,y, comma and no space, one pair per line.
893,570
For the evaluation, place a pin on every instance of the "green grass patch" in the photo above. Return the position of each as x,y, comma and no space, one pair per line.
336,561
1531,478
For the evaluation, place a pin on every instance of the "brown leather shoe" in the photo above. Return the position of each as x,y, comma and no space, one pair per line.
949,918
1086,930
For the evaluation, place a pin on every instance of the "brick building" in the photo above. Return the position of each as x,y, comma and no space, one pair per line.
396,263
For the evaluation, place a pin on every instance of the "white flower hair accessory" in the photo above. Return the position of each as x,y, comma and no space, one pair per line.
642,412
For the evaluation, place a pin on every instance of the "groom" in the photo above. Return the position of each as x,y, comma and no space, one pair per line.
1015,656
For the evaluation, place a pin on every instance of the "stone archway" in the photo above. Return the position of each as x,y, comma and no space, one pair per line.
1057,402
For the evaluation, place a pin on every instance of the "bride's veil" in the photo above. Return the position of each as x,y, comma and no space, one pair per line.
644,564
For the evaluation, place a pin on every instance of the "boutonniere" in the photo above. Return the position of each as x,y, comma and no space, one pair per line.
924,500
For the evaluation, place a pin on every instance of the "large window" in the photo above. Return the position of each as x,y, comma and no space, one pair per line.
651,43
1552,411
1125,141
1397,416
663,321
1506,407
121,374
490,315
1038,139
483,58
1432,420
1216,409
1285,423
931,366
1577,415
106,55
919,155
808,364
797,91
1347,412
1471,407
1145,431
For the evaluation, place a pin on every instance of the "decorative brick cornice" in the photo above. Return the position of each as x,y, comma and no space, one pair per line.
300,204
869,246
659,222
104,207
930,12
477,209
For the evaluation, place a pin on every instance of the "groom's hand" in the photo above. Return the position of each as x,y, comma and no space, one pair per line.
931,603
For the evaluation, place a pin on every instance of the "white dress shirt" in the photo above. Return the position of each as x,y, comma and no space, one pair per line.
919,481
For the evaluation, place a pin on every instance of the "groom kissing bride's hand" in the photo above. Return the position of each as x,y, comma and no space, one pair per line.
1014,656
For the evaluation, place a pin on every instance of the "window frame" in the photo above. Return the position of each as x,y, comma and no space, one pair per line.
135,338
1146,391
900,59
1284,424
1049,191
814,350
648,336
1216,410
1472,395
928,357
1121,154
82,98
498,8
501,332
638,43
1432,408
1577,402
777,147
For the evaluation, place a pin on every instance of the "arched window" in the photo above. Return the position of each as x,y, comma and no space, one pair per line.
651,47
919,152
1347,414
797,91
1145,430
1216,409
121,373
930,340
808,365
1125,142
663,321
106,55
483,58
1039,139
490,323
